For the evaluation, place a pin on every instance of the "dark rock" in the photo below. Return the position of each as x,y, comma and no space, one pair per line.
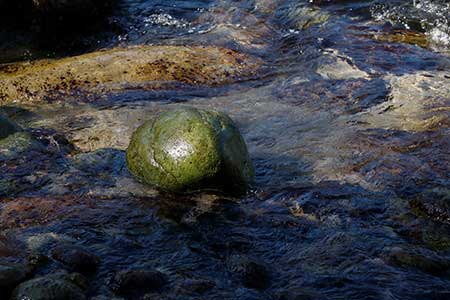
252,273
300,294
419,258
37,260
48,288
79,259
7,127
156,296
189,149
11,275
193,286
75,278
18,143
251,294
132,282
73,7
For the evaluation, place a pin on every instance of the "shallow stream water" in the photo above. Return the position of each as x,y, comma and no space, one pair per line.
347,123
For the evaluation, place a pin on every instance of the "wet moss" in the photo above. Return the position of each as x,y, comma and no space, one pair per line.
188,149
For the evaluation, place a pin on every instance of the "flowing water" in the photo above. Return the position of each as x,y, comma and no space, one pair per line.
347,123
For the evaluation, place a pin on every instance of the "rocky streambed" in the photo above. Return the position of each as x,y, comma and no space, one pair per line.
344,106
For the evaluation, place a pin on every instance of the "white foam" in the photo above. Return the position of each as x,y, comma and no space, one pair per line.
164,19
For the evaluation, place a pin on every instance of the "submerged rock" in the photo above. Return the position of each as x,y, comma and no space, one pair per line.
423,259
193,286
404,36
303,17
7,127
138,281
78,258
11,275
336,66
48,288
149,67
417,102
188,149
16,144
253,274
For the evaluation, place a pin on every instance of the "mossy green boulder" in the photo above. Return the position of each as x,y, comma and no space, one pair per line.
188,149
7,127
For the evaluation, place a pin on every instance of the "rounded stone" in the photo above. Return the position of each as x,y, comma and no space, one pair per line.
48,288
189,149
7,127
78,258
253,274
11,275
137,281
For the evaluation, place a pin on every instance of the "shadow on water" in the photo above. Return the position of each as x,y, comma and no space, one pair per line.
29,33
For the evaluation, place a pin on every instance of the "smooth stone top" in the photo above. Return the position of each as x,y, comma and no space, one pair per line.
48,288
188,149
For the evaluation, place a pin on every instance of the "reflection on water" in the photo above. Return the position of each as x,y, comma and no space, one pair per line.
347,125
433,17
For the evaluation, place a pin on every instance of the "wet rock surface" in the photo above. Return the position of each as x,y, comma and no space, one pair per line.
253,274
347,127
11,275
137,282
148,67
48,288
7,127
77,258
188,149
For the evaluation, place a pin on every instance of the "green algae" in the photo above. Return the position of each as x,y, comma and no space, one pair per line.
187,149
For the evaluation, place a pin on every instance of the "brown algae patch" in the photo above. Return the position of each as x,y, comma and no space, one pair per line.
404,36
135,67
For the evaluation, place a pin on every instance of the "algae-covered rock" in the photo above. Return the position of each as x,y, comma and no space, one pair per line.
189,149
7,127
304,17
149,67
48,288
404,36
